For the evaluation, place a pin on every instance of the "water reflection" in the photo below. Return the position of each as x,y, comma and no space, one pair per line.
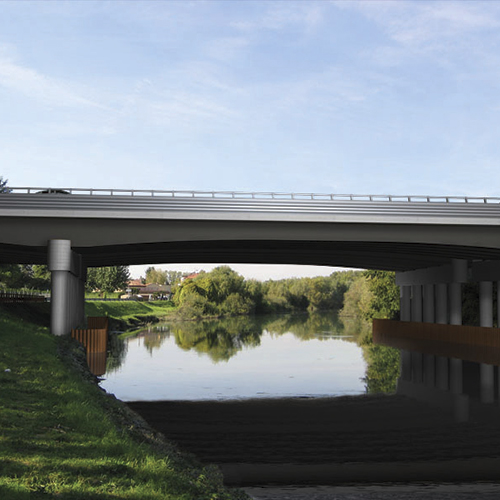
455,368
222,339
232,356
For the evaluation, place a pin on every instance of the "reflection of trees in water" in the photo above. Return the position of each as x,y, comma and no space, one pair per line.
382,362
220,339
154,338
223,338
307,326
117,350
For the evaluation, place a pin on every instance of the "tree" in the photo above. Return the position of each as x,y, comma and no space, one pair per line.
357,299
41,276
173,277
220,283
107,279
385,294
157,276
3,186
12,276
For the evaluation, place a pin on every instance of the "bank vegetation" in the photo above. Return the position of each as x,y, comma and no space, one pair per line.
62,437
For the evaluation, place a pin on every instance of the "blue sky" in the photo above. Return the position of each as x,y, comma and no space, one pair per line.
378,97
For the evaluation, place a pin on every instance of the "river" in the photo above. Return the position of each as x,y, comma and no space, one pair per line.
309,400
239,358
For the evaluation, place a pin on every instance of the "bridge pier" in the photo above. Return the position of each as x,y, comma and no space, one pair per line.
436,298
67,296
441,302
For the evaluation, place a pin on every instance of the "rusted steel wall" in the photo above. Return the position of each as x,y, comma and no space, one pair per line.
95,340
470,343
98,322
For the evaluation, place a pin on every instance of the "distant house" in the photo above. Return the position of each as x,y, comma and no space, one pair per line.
136,284
151,291
191,276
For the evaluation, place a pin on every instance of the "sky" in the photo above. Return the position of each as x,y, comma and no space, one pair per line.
361,97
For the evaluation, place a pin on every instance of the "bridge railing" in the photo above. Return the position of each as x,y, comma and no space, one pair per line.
253,195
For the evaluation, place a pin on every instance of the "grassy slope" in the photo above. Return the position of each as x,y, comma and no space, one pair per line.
62,437
129,313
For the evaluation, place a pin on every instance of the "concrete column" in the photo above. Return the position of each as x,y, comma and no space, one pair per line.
486,303
455,300
428,314
455,296
460,271
59,263
486,319
405,303
498,304
416,303
442,303
81,302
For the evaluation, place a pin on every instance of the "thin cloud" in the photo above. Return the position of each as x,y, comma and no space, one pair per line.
418,23
281,16
226,49
35,85
191,96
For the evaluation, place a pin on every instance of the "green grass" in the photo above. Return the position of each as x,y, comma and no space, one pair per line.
129,313
62,437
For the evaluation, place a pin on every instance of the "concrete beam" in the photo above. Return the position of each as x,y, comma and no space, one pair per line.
455,272
488,270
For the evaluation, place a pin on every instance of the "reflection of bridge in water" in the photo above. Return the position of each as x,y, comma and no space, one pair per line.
449,366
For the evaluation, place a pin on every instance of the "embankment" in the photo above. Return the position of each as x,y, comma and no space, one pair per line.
61,435
128,314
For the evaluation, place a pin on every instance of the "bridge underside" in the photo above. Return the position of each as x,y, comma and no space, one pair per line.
356,254
435,247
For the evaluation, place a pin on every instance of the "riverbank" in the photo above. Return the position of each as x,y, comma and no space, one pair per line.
130,313
62,436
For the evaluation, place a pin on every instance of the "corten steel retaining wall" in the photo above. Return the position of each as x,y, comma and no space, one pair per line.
95,340
470,343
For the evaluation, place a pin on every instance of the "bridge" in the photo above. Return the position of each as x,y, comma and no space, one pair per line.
434,243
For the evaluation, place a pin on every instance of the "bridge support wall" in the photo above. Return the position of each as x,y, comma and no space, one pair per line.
67,296
436,297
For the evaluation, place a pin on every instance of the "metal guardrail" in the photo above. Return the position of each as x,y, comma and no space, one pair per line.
22,296
254,195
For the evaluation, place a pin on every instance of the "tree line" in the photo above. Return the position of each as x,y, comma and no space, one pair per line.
223,292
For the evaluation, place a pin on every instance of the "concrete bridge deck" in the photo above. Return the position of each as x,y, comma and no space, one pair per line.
383,232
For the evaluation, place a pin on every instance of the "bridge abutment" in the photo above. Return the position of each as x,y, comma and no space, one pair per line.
67,296
436,297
